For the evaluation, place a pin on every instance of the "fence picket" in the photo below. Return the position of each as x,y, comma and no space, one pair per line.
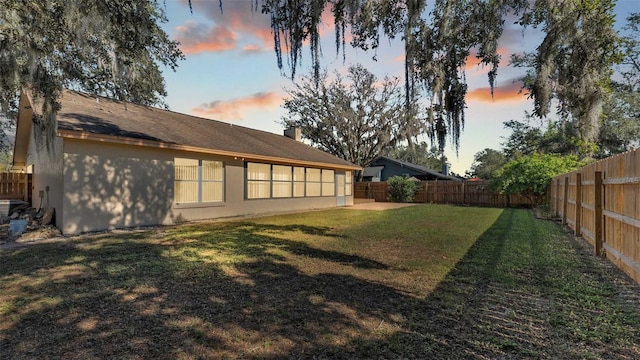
608,206
15,186
446,192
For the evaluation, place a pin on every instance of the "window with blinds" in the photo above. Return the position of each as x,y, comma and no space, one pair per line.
298,182
314,182
212,181
267,181
328,183
198,181
258,181
281,177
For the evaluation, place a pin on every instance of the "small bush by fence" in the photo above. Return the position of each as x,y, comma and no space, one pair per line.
15,186
474,193
601,202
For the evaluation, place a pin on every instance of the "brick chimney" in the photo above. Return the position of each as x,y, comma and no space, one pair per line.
294,133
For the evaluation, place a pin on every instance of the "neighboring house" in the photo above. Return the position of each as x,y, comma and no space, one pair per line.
109,164
372,173
383,168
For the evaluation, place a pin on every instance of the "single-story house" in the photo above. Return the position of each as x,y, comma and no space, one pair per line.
110,164
383,168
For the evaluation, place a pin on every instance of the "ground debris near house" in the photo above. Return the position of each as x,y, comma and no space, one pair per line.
39,225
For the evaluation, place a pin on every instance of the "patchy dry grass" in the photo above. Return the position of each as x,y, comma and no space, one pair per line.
433,282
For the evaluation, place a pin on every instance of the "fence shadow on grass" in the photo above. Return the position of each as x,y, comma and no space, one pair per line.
234,291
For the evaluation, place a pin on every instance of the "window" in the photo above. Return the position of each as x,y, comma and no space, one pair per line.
314,182
258,181
328,183
282,181
212,181
266,181
298,182
198,181
348,185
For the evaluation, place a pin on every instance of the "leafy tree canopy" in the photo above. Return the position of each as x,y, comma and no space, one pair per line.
573,64
355,118
621,126
531,175
486,163
106,47
557,138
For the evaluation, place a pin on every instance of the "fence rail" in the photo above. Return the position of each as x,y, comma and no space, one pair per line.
474,193
601,203
15,186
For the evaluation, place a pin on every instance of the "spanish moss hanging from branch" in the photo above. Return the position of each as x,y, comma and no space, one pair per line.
573,63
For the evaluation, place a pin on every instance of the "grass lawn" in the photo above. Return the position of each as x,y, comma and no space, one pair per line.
421,282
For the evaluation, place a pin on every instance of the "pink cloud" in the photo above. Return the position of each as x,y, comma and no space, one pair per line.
236,24
400,58
232,109
196,38
251,49
507,91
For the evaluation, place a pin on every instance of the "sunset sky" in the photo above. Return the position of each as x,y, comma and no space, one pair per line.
230,72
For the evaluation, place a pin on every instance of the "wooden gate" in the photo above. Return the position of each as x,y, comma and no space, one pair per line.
15,186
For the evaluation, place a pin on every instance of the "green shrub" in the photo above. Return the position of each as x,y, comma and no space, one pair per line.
401,189
531,175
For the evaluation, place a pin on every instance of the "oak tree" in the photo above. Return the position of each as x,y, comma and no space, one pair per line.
573,64
355,117
105,47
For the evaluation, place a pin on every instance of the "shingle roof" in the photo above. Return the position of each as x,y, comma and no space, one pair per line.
99,115
372,171
421,169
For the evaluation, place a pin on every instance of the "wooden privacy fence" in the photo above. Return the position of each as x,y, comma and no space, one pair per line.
601,203
474,193
15,186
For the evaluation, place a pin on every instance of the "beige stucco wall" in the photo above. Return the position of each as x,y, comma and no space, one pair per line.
116,186
45,156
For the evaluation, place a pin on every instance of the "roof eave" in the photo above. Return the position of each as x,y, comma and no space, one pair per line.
23,132
81,135
423,170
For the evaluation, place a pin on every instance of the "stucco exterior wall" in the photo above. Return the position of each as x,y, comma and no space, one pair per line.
117,186
45,157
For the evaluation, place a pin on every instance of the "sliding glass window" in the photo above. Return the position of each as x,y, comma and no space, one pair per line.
282,181
198,181
258,181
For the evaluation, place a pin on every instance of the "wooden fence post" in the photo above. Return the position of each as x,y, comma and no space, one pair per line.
578,231
565,203
556,209
464,194
598,213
